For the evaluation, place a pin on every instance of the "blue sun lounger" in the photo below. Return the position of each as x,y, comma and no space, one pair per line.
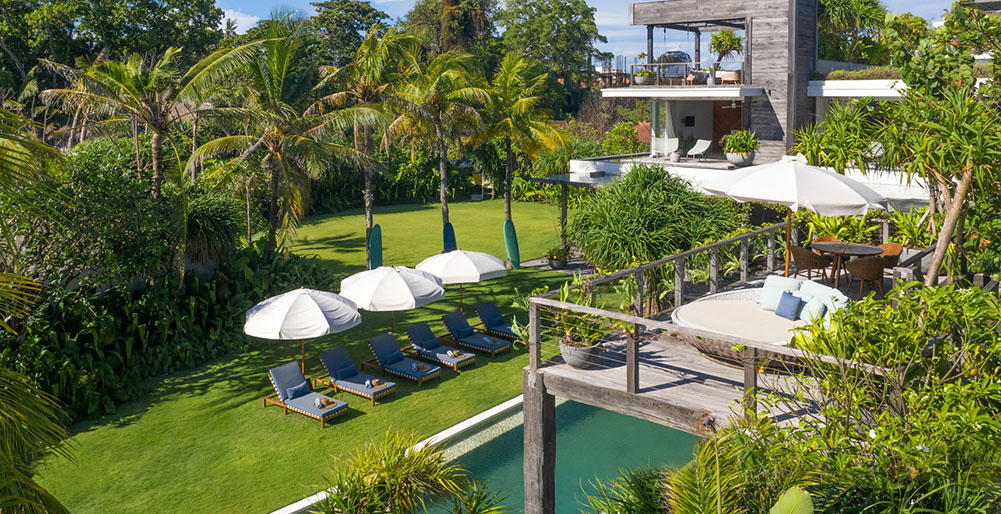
464,335
294,393
493,322
426,346
391,360
342,375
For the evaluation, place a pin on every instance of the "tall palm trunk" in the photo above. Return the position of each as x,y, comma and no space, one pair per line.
194,146
953,213
442,171
508,177
250,230
273,209
156,153
363,143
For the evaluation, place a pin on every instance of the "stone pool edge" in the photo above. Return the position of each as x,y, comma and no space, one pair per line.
304,505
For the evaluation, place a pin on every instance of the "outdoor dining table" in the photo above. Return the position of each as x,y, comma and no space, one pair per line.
840,250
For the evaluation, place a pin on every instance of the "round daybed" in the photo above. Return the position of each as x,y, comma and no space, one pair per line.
737,313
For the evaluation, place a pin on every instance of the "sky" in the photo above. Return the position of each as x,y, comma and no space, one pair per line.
611,17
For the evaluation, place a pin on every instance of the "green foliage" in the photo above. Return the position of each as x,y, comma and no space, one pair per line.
214,224
392,475
793,501
726,43
93,348
476,498
845,138
557,252
852,31
983,236
855,229
912,228
634,491
741,141
621,140
646,216
340,25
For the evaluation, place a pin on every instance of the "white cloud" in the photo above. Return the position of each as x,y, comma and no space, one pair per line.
244,22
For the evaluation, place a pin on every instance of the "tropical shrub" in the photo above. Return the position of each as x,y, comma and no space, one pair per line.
634,491
855,229
214,224
622,140
645,216
93,347
742,141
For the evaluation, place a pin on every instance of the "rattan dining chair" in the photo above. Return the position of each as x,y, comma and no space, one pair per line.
891,252
807,261
866,269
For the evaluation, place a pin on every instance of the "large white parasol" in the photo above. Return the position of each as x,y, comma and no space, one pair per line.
462,267
792,182
301,314
392,288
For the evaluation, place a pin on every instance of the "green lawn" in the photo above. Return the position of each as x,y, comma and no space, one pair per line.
410,233
201,441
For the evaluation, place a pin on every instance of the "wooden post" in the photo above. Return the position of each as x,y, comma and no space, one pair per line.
632,362
886,231
770,260
638,307
679,282
534,343
750,381
649,45
698,48
540,445
563,215
713,270
745,260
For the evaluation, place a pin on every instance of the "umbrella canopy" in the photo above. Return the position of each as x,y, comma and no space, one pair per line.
792,182
301,314
392,288
462,267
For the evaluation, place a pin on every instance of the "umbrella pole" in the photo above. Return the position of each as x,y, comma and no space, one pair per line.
392,322
460,297
303,342
788,235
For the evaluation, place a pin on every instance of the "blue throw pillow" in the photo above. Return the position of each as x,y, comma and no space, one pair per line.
347,371
498,321
464,332
394,357
297,391
430,344
788,306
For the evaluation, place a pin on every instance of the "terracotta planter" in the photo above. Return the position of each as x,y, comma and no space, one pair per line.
740,159
579,357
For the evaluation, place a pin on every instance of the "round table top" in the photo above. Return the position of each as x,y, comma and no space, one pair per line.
842,248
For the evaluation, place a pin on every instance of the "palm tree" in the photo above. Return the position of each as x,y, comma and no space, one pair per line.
514,116
366,82
292,144
29,418
436,98
148,94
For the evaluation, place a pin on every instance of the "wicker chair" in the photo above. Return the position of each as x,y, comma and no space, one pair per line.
807,261
891,253
866,269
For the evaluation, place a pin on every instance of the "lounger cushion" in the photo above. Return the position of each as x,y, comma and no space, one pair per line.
441,354
405,368
482,342
306,403
298,390
420,335
356,383
489,315
346,372
286,376
394,357
464,331
504,330
495,322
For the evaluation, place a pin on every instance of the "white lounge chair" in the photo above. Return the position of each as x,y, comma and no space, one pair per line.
699,150
665,146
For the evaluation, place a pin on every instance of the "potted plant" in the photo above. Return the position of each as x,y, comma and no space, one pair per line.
557,257
580,334
739,147
725,44
643,77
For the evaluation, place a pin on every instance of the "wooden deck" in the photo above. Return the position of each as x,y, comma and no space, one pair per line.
678,386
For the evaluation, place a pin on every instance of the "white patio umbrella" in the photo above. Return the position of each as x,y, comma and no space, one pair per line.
301,314
792,182
462,267
392,288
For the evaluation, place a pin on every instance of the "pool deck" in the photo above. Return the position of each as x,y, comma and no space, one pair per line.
678,386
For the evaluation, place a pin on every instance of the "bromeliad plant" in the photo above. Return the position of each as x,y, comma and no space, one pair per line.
742,141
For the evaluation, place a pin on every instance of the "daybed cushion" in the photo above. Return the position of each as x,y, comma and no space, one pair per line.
813,310
788,306
770,298
357,383
740,318
787,284
297,391
440,354
483,343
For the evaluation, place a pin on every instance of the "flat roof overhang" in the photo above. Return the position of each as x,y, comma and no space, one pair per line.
879,89
684,92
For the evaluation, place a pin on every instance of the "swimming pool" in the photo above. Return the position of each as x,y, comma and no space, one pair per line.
590,442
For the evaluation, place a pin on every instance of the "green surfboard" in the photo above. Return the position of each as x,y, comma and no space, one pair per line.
448,238
375,248
511,243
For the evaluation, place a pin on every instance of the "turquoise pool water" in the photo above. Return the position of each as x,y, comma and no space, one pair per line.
590,442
